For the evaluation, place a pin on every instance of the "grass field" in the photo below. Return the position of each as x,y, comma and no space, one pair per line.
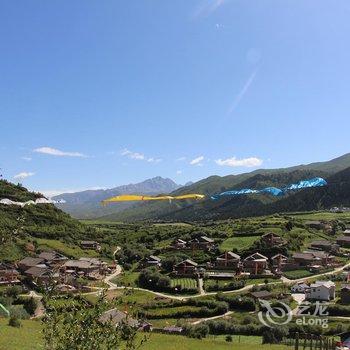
239,243
28,337
124,296
322,215
70,251
295,274
177,342
184,282
127,279
170,312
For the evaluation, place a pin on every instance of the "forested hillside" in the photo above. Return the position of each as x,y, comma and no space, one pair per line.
251,205
18,224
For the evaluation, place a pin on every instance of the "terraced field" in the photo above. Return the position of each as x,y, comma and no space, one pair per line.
184,282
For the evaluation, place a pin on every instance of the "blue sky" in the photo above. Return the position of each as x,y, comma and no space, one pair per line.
103,93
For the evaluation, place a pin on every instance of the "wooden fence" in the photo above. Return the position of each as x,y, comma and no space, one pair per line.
301,341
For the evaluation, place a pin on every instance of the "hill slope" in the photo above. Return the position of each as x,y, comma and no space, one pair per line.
242,206
42,221
87,204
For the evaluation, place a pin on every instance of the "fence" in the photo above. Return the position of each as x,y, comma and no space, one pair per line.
300,341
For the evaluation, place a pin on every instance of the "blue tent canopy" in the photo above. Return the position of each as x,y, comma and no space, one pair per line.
315,182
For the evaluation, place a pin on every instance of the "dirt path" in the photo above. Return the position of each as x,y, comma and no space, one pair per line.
338,269
228,313
200,286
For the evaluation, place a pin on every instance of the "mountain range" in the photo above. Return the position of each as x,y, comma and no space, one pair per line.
337,193
87,204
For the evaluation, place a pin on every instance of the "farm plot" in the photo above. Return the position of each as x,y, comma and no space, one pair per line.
185,283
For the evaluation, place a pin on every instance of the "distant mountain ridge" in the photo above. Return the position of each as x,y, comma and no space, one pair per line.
86,204
239,206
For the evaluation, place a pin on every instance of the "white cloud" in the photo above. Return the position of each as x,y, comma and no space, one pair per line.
197,161
27,159
234,162
23,175
132,155
178,172
242,93
208,7
58,153
181,159
139,156
154,160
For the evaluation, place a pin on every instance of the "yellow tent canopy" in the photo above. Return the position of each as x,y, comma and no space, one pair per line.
130,197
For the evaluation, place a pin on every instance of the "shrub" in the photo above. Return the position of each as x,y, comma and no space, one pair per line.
229,338
14,322
273,335
30,305
238,303
198,331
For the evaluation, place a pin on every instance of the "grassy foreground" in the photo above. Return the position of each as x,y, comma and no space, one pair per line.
28,337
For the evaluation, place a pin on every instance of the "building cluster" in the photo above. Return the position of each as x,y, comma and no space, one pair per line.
316,291
51,267
319,256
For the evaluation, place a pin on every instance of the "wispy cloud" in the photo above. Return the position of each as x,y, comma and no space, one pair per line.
27,159
23,175
178,172
207,7
132,155
197,161
58,153
242,93
154,160
181,159
245,162
139,156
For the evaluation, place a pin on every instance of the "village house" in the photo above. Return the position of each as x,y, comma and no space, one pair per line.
89,267
324,245
179,244
65,288
29,262
344,241
202,242
117,318
186,268
272,240
315,224
314,258
152,260
40,275
8,275
321,291
300,287
228,260
278,262
93,245
256,264
53,258
319,225
345,294
262,294
173,330
346,232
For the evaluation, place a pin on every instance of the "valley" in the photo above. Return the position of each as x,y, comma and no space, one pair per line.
181,281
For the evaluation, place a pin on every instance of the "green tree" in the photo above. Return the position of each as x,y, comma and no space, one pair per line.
82,329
